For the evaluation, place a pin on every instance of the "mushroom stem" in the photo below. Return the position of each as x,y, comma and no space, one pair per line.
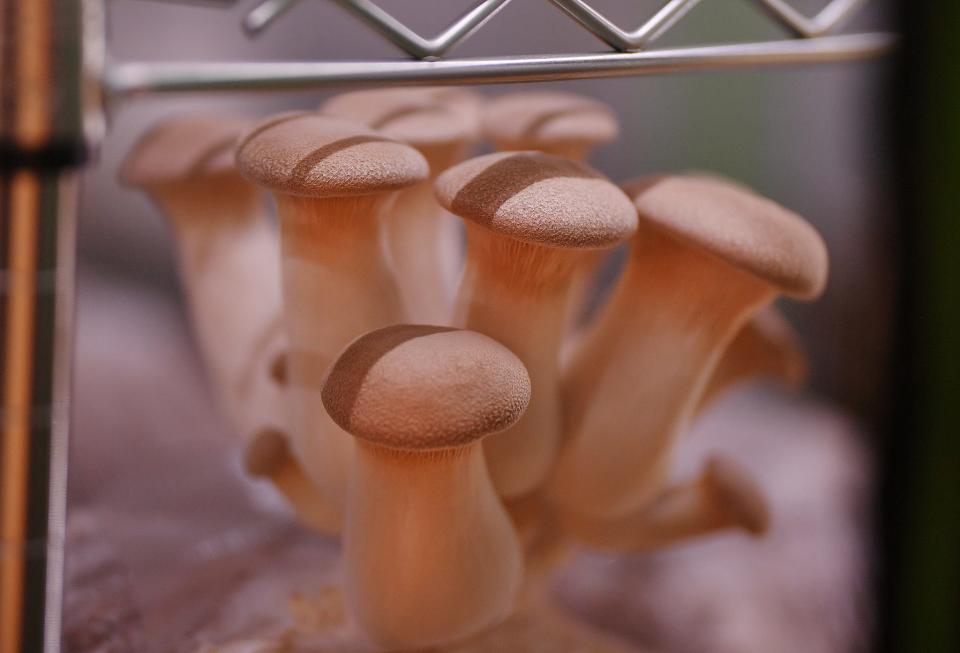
423,242
224,242
268,456
455,535
336,285
516,293
723,497
633,382
765,347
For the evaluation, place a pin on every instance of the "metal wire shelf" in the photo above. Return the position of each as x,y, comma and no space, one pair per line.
812,40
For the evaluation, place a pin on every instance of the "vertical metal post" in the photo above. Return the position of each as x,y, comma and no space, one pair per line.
42,144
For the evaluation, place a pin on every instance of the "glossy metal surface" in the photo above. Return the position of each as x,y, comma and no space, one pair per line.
135,78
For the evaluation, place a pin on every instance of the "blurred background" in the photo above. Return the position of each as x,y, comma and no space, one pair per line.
154,489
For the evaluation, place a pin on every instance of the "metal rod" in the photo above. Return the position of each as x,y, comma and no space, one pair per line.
129,79
42,143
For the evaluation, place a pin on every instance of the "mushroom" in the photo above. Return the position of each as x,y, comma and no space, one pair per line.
226,250
707,255
724,496
268,456
766,347
423,241
333,182
430,554
530,218
564,124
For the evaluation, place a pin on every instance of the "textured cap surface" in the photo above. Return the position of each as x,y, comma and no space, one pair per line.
312,155
415,116
182,147
538,120
737,226
538,198
425,387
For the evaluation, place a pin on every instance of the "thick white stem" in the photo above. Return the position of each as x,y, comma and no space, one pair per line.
430,554
764,347
336,287
723,497
229,262
635,379
424,245
516,293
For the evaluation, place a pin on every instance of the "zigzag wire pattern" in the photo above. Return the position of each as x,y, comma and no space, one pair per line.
827,20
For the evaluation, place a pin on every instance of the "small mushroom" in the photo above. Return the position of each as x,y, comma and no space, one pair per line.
333,182
530,218
430,554
564,124
707,255
766,347
268,456
422,239
724,496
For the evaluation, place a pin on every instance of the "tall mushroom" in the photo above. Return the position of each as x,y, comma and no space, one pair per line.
430,555
422,239
708,254
767,346
530,219
229,265
333,181
724,496
226,250
564,124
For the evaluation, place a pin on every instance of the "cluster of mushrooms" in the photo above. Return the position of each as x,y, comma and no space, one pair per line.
449,414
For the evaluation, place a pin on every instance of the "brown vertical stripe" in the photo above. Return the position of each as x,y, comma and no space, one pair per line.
306,165
482,196
18,345
270,123
346,377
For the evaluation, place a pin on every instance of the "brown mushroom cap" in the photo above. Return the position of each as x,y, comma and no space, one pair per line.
737,491
420,387
537,120
461,98
737,226
411,115
538,198
183,147
313,155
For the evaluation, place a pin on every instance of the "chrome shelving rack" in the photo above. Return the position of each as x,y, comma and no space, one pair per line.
812,41
56,82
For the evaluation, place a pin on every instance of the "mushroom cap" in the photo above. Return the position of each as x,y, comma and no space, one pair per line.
542,119
418,387
411,115
266,452
538,198
183,147
461,98
736,490
738,226
312,155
